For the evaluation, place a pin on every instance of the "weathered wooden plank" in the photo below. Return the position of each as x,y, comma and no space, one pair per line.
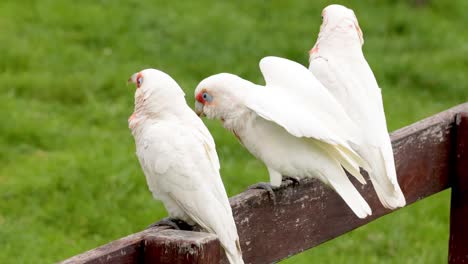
176,247
310,213
458,242
125,250
155,245
304,215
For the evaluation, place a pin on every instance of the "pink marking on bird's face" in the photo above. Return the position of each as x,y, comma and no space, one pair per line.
359,31
199,97
133,116
139,80
204,98
314,50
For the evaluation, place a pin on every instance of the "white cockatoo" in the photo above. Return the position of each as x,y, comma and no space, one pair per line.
179,159
339,64
293,124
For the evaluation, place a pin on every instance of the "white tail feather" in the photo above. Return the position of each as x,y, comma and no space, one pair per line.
234,254
348,159
383,177
338,180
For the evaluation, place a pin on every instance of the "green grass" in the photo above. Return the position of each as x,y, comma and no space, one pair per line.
69,178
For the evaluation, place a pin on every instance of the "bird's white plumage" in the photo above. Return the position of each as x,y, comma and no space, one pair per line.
179,160
291,135
286,79
289,81
338,62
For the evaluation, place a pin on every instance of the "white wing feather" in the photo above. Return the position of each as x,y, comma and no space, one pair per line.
203,135
297,81
352,82
342,185
287,154
180,163
296,101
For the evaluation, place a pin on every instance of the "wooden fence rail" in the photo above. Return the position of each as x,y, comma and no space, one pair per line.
430,155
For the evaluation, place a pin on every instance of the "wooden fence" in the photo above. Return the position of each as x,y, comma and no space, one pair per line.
430,155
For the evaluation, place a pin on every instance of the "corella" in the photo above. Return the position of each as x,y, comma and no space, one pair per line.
338,62
293,124
179,159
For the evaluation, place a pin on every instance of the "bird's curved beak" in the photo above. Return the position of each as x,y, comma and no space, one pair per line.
199,109
132,78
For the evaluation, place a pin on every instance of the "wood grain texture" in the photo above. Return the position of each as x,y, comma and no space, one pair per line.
155,245
304,215
458,241
125,250
179,247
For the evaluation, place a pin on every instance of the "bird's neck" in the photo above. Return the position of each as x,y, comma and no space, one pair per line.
148,112
337,43
237,121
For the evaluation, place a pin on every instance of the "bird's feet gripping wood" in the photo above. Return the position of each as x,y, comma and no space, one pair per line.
267,187
271,189
176,224
294,180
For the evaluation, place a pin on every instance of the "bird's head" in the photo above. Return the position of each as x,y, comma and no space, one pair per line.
338,18
218,96
155,90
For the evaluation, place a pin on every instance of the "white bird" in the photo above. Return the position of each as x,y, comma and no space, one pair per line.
293,124
339,64
179,159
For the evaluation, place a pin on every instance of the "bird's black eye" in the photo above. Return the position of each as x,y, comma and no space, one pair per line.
207,97
139,81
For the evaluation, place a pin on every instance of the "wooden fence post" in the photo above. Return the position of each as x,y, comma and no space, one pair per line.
155,245
458,242
181,247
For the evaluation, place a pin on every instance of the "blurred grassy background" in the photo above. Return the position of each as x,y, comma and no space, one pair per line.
69,179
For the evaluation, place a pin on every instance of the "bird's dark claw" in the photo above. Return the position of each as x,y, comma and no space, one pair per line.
294,180
173,223
267,187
